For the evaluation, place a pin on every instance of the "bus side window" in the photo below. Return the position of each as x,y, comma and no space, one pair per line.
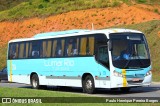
87,46
46,45
34,49
103,57
103,54
59,51
76,47
17,47
13,51
58,48
54,43
99,41
26,50
83,46
62,44
72,47
21,50
90,45
30,49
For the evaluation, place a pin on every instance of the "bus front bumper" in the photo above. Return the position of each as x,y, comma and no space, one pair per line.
118,82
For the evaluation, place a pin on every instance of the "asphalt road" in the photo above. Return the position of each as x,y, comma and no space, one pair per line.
151,91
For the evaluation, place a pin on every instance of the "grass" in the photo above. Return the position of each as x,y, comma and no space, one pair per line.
49,7
23,92
7,4
141,1
156,11
22,9
150,29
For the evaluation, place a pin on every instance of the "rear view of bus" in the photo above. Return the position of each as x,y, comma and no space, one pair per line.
130,58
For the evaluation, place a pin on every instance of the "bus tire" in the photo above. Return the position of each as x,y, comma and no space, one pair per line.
35,81
43,87
88,84
125,89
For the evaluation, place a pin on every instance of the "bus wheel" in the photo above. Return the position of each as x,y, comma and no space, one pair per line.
88,84
35,81
125,89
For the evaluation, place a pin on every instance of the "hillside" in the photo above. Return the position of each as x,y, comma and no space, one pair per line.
8,4
82,19
24,19
20,9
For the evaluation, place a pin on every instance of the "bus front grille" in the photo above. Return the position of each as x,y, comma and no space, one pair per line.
134,82
135,76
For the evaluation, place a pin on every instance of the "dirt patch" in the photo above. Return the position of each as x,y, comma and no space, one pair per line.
159,33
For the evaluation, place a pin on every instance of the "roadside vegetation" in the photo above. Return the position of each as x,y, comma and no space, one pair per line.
7,4
24,92
20,9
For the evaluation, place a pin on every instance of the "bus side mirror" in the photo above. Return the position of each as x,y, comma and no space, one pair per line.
110,45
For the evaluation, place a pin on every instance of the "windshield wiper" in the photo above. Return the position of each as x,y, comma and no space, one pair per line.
140,61
126,65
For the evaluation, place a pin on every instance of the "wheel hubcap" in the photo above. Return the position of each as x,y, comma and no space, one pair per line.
34,82
89,84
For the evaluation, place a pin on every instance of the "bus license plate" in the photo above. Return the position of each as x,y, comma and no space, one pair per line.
135,79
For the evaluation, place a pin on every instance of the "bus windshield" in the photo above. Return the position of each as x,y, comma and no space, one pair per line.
129,50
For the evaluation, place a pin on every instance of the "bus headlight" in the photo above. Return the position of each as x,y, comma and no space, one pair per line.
148,73
117,74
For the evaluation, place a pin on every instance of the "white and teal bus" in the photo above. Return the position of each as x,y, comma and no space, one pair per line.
109,58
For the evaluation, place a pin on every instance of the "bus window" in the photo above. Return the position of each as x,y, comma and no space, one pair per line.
58,48
118,51
76,51
72,47
103,57
13,51
100,40
26,50
83,45
141,50
34,49
30,49
46,48
21,50
54,48
90,46
87,46
62,44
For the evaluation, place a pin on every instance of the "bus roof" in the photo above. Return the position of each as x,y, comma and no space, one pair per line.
60,33
75,32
